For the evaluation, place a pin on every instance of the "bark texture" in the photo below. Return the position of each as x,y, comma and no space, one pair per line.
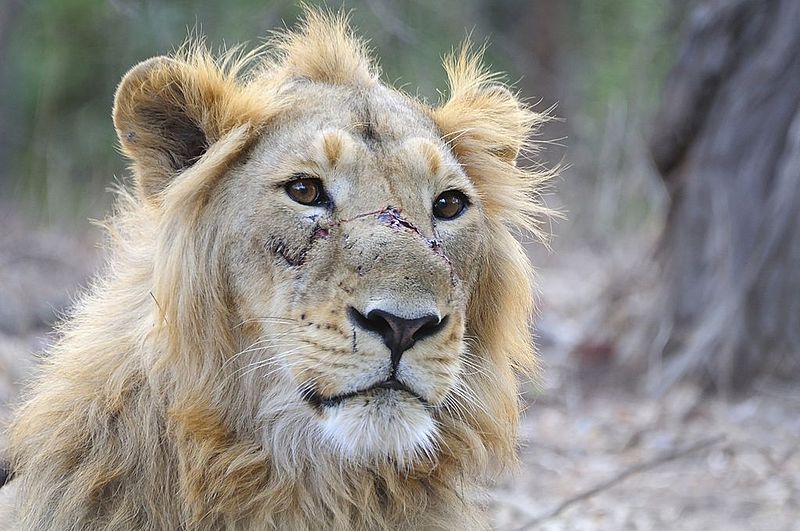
727,142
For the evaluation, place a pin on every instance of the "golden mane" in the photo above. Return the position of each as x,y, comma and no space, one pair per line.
324,48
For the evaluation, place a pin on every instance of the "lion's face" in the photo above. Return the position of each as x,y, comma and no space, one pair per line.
360,239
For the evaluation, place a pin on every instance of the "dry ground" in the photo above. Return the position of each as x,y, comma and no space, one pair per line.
597,453
716,465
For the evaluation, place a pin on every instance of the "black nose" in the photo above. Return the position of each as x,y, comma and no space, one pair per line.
398,334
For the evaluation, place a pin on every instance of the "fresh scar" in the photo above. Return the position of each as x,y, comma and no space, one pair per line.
393,218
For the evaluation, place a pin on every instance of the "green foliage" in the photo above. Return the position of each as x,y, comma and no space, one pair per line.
623,43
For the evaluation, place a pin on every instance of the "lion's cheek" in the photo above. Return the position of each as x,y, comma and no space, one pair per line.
465,250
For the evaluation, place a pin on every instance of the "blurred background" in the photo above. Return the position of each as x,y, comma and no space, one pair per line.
669,302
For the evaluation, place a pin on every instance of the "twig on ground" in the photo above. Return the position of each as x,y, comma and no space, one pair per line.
621,476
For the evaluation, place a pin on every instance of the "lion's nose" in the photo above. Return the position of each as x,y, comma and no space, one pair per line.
399,334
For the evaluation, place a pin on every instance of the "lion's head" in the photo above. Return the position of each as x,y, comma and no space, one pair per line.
314,308
351,242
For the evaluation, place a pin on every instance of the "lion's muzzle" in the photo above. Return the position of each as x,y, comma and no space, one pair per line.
398,333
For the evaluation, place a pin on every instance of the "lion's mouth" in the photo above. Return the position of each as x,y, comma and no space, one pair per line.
390,384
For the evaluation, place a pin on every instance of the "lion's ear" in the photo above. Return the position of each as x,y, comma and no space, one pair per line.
168,112
481,115
157,127
486,119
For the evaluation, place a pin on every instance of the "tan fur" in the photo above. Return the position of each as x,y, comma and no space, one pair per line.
174,398
333,145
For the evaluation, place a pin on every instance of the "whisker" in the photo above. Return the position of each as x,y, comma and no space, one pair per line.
252,347
267,362
267,319
473,365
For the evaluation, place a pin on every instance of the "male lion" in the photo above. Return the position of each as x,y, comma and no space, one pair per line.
313,310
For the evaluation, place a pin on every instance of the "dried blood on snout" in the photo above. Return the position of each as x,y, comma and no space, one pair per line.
321,233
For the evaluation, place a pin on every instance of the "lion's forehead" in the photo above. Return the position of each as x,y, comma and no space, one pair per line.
368,123
378,114
375,138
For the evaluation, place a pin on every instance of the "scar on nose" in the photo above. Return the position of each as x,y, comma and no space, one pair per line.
436,246
392,217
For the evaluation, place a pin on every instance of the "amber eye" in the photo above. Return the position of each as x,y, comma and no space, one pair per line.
450,204
307,191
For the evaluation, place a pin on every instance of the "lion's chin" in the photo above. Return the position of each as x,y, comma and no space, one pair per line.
383,426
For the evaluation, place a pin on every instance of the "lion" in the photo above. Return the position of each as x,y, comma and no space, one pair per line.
314,313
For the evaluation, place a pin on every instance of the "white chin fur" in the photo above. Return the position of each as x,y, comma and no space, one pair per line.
386,426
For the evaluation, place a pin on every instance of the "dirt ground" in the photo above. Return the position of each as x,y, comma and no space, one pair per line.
683,461
597,452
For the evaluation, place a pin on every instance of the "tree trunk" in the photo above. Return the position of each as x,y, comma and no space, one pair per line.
727,142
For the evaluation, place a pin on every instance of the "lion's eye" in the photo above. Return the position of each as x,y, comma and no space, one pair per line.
449,204
307,191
